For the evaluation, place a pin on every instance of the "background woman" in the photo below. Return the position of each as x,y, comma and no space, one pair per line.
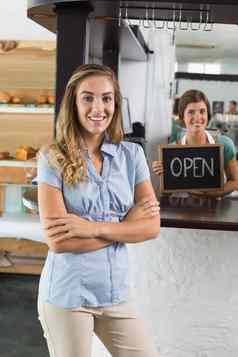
89,180
177,127
194,111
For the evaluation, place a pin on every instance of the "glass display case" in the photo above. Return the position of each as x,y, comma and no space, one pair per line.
22,247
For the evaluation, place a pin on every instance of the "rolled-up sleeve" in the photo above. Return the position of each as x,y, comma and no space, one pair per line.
47,174
142,171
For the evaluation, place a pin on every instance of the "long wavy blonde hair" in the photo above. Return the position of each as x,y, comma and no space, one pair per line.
65,152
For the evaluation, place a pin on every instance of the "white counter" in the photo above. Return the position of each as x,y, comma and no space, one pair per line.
21,226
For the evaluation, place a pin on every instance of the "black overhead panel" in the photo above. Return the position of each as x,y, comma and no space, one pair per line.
217,11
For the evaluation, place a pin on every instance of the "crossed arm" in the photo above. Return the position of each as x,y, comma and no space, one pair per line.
71,233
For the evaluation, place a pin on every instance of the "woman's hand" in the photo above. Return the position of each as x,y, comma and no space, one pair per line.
157,167
67,227
146,208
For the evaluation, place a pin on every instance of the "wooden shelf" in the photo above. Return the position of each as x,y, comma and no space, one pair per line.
31,129
22,256
23,269
23,247
17,163
27,185
26,110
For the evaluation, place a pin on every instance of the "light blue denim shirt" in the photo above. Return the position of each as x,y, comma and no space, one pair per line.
98,278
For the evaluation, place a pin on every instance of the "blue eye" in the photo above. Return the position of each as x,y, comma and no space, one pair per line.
88,98
107,99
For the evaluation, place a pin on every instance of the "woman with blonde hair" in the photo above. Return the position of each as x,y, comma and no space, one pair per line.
95,195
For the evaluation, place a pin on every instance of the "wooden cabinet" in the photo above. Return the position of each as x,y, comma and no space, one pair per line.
27,73
22,249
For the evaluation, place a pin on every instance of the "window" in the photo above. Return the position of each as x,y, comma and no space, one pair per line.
208,68
195,68
212,68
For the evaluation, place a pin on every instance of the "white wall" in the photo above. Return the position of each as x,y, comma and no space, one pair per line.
230,67
132,79
14,24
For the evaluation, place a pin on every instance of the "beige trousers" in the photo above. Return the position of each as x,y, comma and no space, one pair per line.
69,333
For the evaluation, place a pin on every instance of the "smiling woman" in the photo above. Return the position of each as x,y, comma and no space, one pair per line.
95,195
194,112
95,108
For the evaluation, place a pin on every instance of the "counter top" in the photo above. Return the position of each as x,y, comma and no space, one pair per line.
199,213
21,226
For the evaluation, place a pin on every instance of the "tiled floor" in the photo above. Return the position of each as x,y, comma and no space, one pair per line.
20,331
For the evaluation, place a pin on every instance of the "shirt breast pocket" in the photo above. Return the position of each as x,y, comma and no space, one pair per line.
83,197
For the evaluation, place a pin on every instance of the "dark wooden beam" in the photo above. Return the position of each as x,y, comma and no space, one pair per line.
72,43
111,46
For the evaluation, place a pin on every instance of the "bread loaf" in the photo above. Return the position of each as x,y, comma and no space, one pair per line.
4,155
24,153
41,99
4,98
51,99
16,100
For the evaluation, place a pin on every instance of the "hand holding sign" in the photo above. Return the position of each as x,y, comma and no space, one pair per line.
157,167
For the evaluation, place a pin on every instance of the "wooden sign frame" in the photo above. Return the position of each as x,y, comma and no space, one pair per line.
163,147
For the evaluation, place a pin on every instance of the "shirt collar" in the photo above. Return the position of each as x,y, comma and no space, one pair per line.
108,148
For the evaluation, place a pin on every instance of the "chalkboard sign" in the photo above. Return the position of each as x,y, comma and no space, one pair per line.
191,167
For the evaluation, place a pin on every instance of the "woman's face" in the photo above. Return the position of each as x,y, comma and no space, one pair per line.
95,100
196,117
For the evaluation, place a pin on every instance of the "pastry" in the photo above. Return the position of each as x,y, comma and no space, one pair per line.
51,99
41,99
4,98
16,100
4,155
24,153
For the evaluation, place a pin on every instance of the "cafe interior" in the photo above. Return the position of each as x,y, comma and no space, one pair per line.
185,283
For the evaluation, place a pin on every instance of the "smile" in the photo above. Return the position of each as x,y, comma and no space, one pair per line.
198,124
97,119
